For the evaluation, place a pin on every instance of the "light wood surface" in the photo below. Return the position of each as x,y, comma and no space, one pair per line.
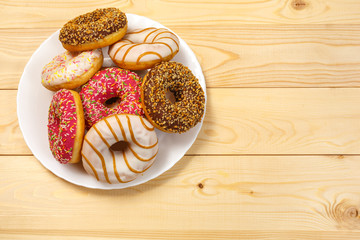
278,156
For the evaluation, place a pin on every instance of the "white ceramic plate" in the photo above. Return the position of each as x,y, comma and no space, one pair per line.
33,102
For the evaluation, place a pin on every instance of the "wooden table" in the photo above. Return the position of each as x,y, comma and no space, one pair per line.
278,156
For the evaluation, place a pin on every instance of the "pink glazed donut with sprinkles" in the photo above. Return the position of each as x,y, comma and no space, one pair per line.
71,69
111,91
66,126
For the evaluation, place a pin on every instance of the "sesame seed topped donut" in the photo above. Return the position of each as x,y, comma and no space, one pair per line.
92,30
172,97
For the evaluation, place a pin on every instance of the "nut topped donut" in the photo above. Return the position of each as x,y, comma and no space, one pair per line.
172,97
143,48
92,30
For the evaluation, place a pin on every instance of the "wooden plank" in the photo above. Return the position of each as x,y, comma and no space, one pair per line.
277,55
280,121
252,121
182,234
208,194
35,14
17,48
242,56
11,138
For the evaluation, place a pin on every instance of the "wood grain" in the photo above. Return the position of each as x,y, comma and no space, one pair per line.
11,140
242,56
252,121
278,154
277,56
39,14
244,193
280,121
182,234
16,51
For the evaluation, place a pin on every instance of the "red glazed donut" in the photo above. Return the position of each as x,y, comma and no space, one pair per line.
66,126
111,91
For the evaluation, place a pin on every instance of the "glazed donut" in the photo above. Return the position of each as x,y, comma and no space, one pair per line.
143,48
109,164
92,30
187,107
71,69
66,126
111,91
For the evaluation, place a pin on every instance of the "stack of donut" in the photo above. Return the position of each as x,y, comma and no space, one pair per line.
106,117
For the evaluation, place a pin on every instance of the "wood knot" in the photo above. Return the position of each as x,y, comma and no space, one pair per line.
347,215
299,4
207,187
352,212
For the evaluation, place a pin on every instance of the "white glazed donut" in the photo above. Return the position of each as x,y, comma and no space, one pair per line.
71,69
143,48
139,150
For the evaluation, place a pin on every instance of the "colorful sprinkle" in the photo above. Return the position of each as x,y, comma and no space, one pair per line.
103,86
68,66
62,113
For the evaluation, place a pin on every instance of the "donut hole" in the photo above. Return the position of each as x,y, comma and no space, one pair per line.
112,102
119,146
169,95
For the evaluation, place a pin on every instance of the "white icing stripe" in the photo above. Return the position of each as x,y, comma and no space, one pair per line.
125,165
140,45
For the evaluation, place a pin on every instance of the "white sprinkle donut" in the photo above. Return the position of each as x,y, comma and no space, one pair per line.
143,48
106,163
70,70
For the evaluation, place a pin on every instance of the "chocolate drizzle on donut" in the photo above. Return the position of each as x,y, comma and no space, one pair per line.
183,112
92,26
